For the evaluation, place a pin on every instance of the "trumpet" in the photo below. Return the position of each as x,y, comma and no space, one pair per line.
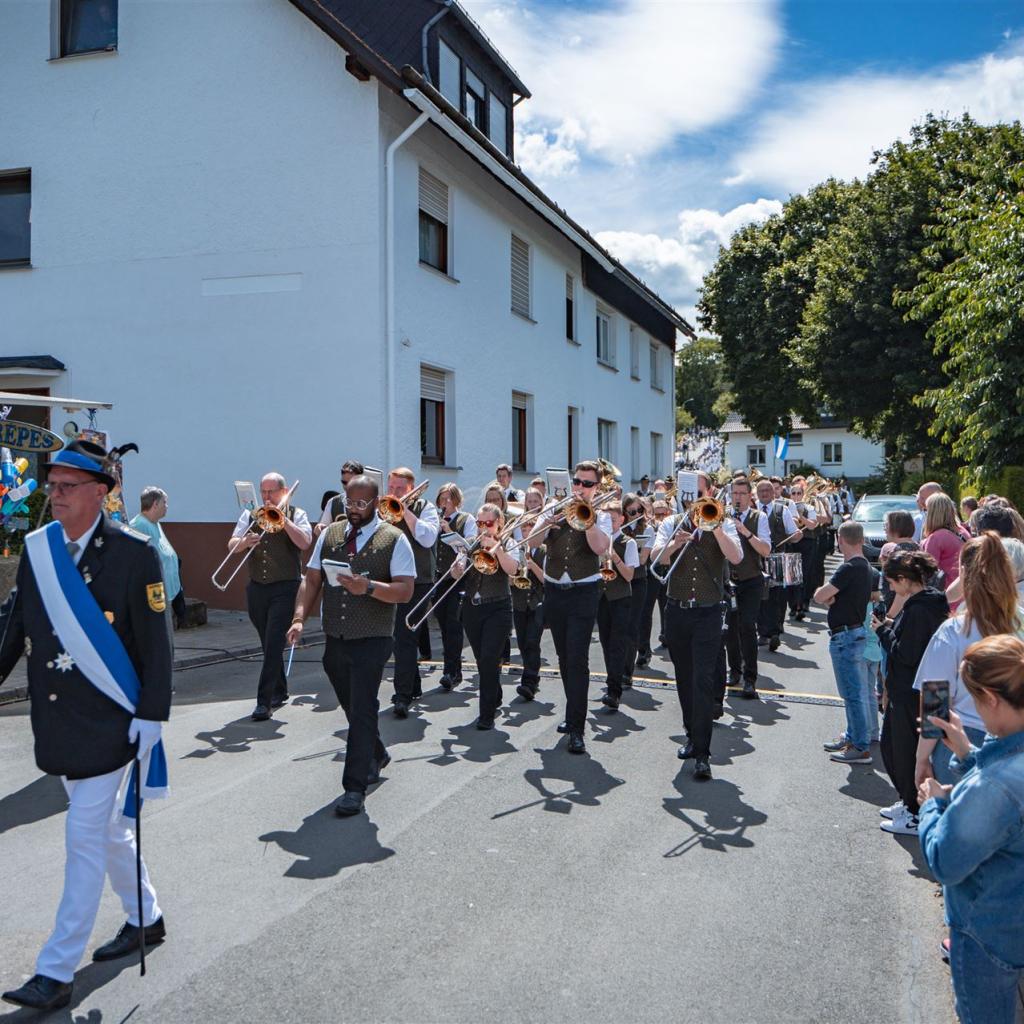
520,579
608,571
392,509
265,519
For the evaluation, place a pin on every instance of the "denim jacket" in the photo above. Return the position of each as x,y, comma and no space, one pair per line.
974,845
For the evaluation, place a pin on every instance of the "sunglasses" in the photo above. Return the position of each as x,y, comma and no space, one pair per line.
488,523
577,482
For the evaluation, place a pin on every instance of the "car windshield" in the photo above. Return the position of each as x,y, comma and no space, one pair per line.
874,511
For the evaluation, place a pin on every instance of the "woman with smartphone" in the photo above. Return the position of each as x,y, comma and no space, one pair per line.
904,640
972,835
991,606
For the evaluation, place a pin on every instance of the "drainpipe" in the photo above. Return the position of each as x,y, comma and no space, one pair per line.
389,298
447,6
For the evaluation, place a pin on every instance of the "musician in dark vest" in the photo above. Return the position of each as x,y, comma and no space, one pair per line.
487,608
781,526
358,617
572,589
335,508
420,525
695,593
615,606
528,604
799,596
88,611
275,568
454,522
748,581
637,527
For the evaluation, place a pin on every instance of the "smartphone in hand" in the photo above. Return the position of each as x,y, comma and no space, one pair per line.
934,701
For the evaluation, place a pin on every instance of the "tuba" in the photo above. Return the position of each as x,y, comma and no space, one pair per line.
392,509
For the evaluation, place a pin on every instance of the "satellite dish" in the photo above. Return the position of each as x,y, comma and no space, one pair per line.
71,429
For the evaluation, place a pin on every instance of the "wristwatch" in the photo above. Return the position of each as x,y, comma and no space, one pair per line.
370,587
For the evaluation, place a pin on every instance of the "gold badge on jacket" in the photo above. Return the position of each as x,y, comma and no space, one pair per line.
155,597
109,616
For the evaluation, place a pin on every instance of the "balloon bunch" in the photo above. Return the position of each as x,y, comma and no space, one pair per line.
15,488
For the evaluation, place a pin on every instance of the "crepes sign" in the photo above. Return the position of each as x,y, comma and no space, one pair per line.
27,437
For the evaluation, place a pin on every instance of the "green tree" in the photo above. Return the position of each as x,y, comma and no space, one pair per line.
699,383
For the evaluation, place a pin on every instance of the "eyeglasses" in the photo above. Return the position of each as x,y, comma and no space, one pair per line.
359,505
63,488
577,482
488,523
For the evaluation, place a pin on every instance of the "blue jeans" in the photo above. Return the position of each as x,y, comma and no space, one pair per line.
985,988
941,757
851,671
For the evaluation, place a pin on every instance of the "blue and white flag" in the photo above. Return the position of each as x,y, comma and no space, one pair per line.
92,642
781,446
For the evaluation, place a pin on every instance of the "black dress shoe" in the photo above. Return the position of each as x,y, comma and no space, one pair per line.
702,769
485,723
749,691
718,710
526,692
401,709
563,727
447,683
40,993
734,678
763,642
260,713
576,744
351,803
376,768
643,661
279,703
610,702
126,942
685,751
774,644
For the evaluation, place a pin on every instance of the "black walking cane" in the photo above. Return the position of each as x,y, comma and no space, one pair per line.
138,866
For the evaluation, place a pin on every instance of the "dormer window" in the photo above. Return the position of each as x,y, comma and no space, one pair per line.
497,118
476,101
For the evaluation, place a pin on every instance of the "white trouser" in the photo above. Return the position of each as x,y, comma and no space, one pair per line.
97,843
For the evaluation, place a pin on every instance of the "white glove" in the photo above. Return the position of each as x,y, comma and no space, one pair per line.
146,733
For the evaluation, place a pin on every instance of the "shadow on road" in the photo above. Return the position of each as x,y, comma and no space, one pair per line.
520,712
40,799
719,803
468,743
237,737
325,845
608,725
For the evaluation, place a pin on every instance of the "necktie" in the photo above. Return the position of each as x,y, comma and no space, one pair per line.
73,549
764,508
350,543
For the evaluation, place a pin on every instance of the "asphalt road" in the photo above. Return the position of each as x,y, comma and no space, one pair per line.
494,877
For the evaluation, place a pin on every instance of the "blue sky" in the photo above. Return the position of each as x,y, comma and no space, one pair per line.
665,125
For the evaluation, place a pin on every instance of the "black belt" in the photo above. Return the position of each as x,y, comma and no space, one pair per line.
477,600
844,629
676,603
569,586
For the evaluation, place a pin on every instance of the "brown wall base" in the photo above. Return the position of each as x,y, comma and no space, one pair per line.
201,547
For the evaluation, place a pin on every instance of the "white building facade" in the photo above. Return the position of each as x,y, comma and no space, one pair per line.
270,249
830,446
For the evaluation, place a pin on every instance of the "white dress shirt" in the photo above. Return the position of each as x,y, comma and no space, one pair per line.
300,519
428,524
631,556
788,522
403,563
764,531
83,541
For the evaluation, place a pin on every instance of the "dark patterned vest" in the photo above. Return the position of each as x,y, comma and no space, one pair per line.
424,556
276,558
569,552
444,556
482,589
751,566
640,572
618,588
776,526
700,574
356,616
337,507
800,509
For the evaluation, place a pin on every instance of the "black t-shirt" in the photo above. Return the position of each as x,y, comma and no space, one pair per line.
854,580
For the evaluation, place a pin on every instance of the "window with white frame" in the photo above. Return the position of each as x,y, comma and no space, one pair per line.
433,221
796,439
433,422
657,454
634,352
832,453
657,376
755,455
606,439
520,430
635,471
450,73
476,101
605,337
520,277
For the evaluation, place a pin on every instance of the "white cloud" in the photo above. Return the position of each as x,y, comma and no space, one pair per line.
675,265
831,128
623,81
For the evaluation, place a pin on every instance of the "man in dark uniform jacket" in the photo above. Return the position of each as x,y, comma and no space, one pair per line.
275,568
359,620
80,733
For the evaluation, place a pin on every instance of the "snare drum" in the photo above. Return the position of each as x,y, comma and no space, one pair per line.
792,569
776,571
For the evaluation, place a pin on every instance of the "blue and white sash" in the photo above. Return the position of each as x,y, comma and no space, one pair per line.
92,642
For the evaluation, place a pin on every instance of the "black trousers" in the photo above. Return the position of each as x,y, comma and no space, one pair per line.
898,743
741,638
695,644
407,671
529,624
487,628
613,629
447,614
772,612
637,603
800,596
270,610
570,613
654,596
355,669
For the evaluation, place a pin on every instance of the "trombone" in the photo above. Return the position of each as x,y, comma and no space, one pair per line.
265,519
707,513
392,509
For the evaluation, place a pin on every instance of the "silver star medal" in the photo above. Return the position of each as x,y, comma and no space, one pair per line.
64,662
98,542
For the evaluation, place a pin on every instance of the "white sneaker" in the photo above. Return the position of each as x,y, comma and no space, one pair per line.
905,826
897,808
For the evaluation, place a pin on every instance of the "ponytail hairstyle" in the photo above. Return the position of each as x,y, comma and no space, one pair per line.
995,664
990,589
916,566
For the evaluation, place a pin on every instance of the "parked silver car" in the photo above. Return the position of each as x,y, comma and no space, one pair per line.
870,512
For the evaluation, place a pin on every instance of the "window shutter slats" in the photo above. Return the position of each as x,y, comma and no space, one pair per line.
518,400
432,384
569,287
433,196
520,276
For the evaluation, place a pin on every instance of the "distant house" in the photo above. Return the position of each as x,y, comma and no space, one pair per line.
830,446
